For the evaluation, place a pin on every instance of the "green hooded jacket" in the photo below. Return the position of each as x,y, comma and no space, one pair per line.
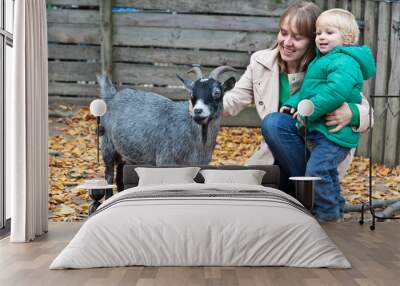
331,80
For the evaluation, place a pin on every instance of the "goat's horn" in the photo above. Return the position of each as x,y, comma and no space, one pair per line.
198,72
219,70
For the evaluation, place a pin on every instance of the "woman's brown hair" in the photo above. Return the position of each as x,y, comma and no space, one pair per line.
303,16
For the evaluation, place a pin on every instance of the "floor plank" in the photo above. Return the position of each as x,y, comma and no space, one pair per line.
374,255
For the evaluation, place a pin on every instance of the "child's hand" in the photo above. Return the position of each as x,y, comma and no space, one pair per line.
287,109
297,116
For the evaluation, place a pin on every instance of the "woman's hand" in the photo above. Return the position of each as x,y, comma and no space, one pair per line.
287,109
190,107
340,117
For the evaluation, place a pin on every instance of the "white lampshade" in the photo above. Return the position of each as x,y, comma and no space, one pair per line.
98,107
305,107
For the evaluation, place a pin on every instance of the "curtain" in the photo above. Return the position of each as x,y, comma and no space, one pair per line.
27,123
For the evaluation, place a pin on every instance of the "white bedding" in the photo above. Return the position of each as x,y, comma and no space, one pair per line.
263,229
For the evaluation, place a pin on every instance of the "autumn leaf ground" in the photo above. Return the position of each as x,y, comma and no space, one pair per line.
72,160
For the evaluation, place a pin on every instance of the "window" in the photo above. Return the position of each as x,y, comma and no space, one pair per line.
6,43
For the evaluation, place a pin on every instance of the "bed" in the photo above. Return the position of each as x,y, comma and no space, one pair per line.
201,224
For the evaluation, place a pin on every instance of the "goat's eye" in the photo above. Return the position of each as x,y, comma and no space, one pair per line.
216,93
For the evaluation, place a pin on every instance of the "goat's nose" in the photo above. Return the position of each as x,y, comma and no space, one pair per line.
198,111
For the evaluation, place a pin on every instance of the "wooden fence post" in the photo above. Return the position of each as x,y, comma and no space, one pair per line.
106,36
321,4
382,59
356,9
331,4
369,35
346,4
392,141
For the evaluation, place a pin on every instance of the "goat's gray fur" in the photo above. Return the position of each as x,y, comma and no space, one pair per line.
149,129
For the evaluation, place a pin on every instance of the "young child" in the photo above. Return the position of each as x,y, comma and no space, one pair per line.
335,76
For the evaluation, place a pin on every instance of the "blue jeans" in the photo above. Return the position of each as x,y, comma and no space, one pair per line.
287,146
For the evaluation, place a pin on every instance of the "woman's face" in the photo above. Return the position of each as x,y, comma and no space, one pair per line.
292,45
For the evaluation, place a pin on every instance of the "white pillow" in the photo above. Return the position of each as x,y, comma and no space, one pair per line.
248,177
166,176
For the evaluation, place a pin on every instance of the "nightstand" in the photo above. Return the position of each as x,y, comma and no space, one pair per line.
304,187
97,189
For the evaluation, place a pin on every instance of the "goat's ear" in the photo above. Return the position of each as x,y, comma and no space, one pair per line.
229,84
187,83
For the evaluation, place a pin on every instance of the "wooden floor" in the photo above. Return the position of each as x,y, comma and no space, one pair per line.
374,255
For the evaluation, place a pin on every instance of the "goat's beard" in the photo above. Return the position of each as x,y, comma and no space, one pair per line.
202,120
204,131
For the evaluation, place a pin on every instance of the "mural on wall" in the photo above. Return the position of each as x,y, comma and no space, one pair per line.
143,46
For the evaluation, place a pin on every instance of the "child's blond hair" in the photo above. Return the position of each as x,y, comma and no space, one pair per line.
342,20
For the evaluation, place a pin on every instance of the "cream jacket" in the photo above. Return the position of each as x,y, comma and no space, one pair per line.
260,85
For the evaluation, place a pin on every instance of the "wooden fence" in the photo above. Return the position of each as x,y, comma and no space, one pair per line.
148,47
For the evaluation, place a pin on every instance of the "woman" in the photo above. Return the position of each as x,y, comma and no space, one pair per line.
275,74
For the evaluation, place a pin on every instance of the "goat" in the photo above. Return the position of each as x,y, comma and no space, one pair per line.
149,129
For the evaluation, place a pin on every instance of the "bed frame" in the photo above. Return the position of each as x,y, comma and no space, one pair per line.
270,179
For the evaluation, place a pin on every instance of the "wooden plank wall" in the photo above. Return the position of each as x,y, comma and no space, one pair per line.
151,46
146,49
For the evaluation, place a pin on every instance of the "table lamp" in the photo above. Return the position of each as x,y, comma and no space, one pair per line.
305,109
97,187
304,186
98,108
